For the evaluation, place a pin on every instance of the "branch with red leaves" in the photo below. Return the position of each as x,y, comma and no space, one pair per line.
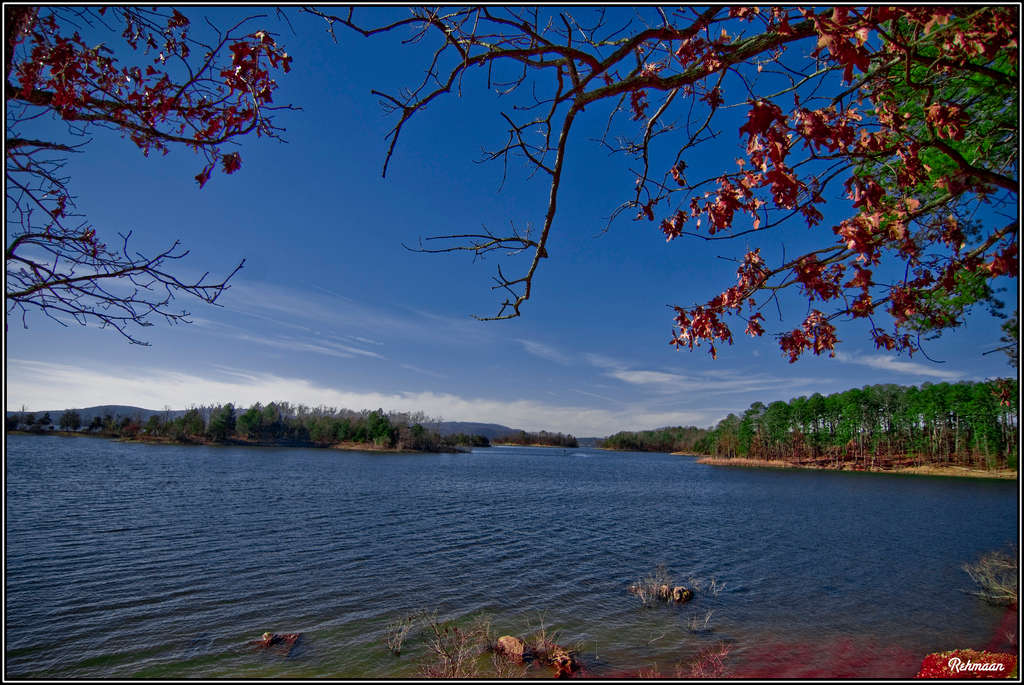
903,117
202,95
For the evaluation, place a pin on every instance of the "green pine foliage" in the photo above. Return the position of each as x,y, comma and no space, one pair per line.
285,424
467,440
542,438
678,439
967,424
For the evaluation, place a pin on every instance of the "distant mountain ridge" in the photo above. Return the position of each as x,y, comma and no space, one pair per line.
488,430
120,411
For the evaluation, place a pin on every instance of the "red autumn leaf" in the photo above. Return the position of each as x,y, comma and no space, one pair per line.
713,97
231,162
754,328
949,121
638,101
177,19
1005,262
203,176
761,116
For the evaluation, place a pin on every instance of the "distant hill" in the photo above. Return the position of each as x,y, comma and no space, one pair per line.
120,411
488,430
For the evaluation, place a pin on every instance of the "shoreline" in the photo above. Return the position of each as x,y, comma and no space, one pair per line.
234,442
532,444
63,434
364,447
950,471
926,470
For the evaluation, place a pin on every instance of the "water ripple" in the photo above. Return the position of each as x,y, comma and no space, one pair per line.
155,561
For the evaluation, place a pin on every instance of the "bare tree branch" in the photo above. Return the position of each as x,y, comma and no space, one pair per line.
56,261
901,104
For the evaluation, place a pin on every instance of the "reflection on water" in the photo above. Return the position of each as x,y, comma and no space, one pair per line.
160,561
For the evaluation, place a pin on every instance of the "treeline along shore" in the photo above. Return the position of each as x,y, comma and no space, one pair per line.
274,424
541,439
968,425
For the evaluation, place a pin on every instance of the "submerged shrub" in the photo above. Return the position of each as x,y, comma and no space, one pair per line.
650,588
396,631
454,651
710,663
996,577
660,586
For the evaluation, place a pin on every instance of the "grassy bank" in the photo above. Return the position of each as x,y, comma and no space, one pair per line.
929,470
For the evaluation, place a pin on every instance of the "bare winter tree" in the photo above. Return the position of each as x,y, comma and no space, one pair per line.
182,91
909,112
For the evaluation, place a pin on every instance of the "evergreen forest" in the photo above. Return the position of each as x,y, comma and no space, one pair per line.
966,424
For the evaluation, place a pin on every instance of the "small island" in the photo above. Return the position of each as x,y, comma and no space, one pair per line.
541,439
277,424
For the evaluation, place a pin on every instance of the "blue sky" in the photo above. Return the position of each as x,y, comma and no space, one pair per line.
331,310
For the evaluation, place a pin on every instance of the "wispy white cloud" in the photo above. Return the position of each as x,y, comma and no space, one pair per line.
45,385
326,347
365,341
343,316
717,383
887,363
305,309
543,351
310,342
603,362
426,372
330,292
594,394
445,327
650,378
275,319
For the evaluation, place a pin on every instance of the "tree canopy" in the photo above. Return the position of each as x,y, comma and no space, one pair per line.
962,423
966,423
900,121
178,90
889,133
280,423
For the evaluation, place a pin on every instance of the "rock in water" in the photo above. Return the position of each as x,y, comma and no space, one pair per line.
275,639
564,662
681,594
511,648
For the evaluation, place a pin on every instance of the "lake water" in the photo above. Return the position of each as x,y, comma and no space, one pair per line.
130,560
